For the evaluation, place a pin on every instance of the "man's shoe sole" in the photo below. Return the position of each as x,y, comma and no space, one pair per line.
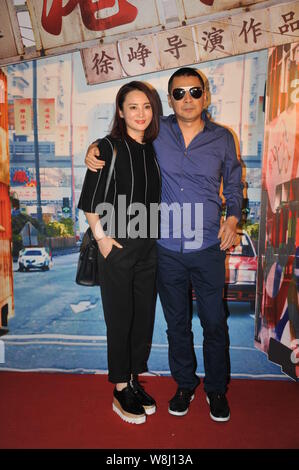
128,417
180,413
216,418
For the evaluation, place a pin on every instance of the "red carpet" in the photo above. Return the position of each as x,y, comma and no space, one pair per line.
55,411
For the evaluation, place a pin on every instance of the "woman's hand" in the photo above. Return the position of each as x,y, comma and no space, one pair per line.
105,245
91,160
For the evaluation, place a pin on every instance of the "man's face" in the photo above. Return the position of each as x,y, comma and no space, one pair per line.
187,109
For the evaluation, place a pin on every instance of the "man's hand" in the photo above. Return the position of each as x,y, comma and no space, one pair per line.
105,245
228,232
92,163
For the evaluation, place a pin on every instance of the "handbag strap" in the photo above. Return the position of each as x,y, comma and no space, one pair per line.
110,170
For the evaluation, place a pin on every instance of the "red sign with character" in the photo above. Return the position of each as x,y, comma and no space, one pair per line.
122,12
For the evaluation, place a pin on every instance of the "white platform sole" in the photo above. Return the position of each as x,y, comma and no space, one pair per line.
128,417
150,410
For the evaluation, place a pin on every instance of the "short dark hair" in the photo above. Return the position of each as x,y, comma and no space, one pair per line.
185,72
119,129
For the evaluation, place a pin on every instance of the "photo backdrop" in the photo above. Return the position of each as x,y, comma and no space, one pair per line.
58,325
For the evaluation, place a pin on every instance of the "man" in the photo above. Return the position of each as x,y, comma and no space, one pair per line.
194,154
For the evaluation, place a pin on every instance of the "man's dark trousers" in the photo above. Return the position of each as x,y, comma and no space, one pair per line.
205,269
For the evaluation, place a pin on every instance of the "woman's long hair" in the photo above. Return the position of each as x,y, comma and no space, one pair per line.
119,128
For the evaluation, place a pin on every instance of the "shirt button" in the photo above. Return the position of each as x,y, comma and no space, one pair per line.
185,153
182,189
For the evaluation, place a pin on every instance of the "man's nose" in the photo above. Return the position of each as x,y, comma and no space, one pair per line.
187,96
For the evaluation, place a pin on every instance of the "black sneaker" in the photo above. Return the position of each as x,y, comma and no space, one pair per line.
144,398
126,405
179,404
219,409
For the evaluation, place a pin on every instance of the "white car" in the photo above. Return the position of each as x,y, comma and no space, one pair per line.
34,258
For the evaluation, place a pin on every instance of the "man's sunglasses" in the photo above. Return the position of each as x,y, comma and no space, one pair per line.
195,91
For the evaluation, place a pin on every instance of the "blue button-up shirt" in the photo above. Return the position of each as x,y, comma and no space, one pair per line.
191,176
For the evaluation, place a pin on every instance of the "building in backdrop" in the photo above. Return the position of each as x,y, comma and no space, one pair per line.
53,98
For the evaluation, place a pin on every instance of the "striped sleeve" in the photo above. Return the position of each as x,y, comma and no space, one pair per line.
93,188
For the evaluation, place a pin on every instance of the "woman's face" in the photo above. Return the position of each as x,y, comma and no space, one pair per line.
137,113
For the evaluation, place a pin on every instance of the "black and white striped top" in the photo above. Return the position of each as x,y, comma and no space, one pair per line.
136,176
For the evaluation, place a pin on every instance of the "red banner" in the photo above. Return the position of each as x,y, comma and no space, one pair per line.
46,116
23,116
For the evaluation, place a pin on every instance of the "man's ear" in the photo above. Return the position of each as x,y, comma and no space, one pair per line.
169,101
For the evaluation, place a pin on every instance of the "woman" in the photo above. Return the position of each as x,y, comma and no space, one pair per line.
127,260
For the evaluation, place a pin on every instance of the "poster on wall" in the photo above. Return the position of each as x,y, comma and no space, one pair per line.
277,315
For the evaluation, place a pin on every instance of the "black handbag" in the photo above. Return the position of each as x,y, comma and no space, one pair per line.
88,266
